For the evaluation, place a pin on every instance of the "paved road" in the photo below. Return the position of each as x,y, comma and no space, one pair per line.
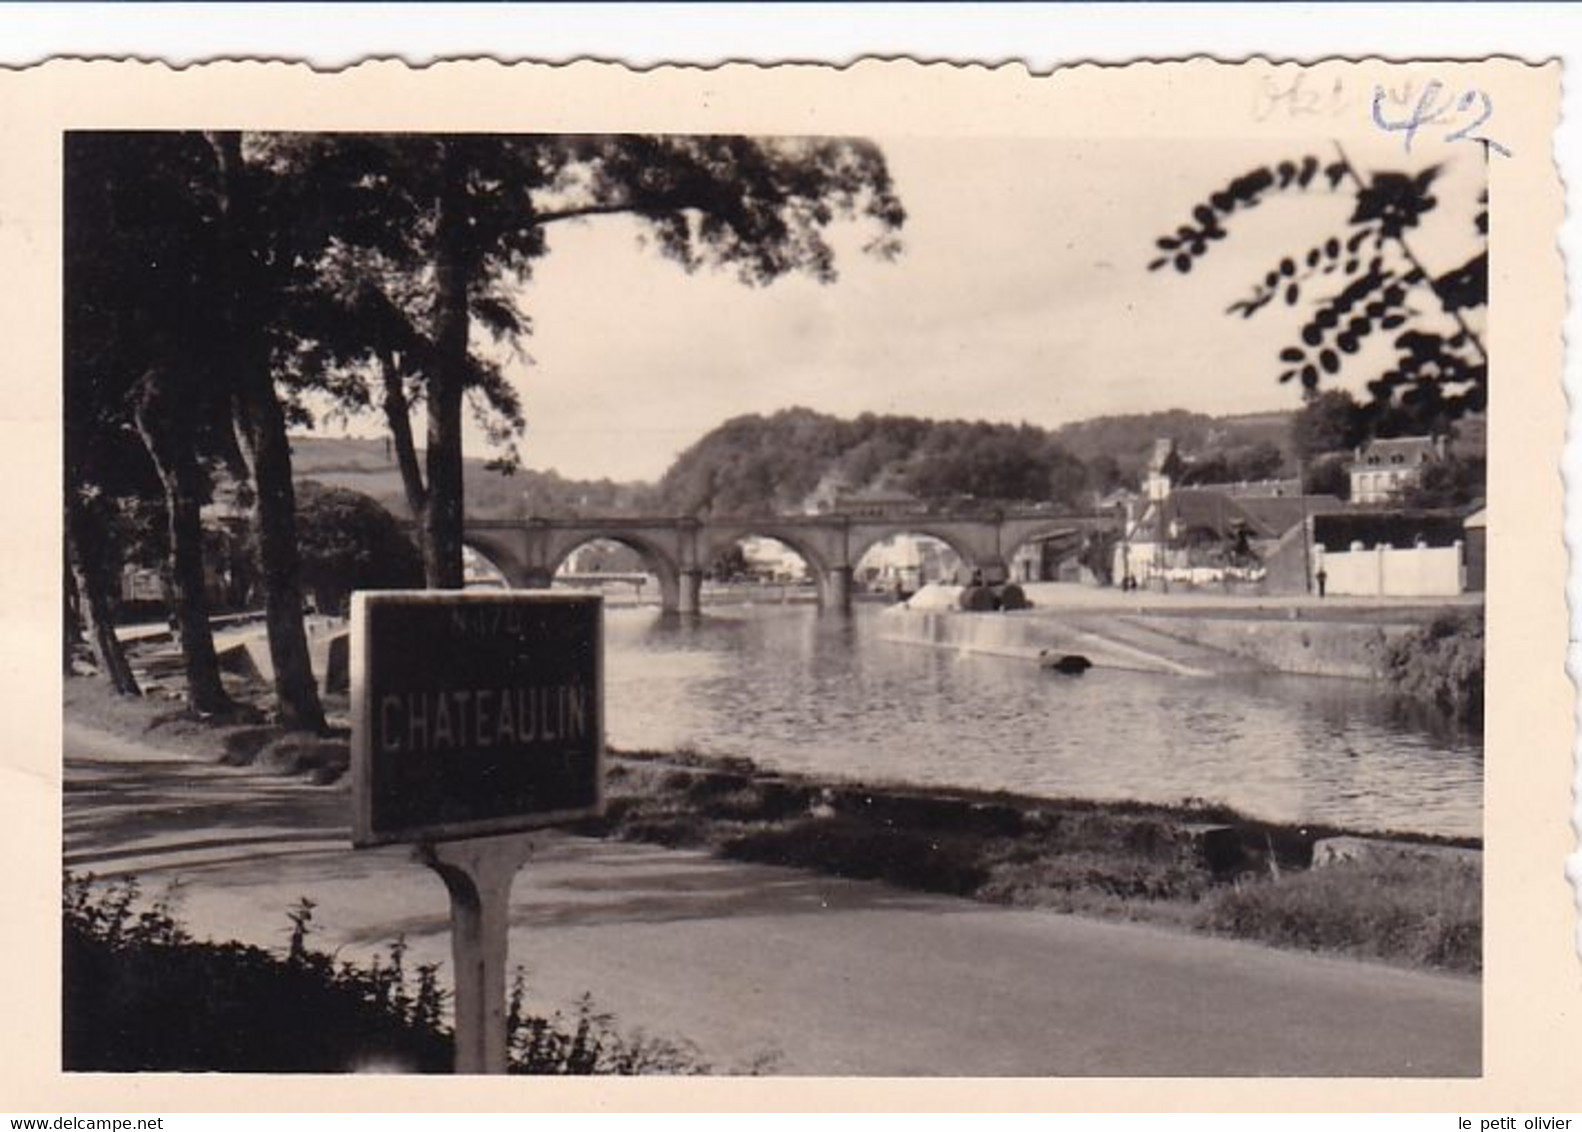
772,968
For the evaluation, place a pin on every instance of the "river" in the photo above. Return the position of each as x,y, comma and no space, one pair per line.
798,690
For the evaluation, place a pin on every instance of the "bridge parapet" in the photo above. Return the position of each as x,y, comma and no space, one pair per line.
678,549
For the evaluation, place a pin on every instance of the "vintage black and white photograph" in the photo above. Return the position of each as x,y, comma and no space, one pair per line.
886,604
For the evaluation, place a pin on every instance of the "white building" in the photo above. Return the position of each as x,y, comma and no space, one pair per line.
1383,469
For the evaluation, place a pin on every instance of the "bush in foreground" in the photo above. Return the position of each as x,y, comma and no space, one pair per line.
1392,906
139,994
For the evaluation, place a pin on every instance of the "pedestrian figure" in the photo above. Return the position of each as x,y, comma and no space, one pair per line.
1322,578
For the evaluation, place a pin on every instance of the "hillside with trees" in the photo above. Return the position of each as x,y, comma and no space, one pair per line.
489,491
798,459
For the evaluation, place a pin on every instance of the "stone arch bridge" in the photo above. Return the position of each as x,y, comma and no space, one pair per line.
679,551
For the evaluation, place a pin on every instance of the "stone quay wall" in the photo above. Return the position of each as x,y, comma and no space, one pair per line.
1170,644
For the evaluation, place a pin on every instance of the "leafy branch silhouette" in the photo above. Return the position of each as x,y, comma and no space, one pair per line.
1358,282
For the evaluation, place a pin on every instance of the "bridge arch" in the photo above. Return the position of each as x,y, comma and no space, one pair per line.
506,551
657,558
972,557
821,561
481,569
721,539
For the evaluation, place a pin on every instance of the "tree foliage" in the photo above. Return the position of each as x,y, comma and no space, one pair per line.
141,269
1452,482
460,221
1244,464
798,459
1119,445
216,281
1328,422
349,542
1362,281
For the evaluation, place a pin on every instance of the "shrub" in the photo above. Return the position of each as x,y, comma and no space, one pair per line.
348,541
1012,596
1399,906
977,599
139,994
1441,663
588,1044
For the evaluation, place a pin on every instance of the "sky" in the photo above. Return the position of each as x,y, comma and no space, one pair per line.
1022,294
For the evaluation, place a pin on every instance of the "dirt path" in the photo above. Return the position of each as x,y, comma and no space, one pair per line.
771,968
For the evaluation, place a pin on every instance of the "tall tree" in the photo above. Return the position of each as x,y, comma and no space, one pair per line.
89,569
137,268
165,418
255,256
408,263
468,215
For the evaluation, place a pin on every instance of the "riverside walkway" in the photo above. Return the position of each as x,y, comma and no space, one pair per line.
764,968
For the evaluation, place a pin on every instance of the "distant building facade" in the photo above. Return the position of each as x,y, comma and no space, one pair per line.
1216,534
909,562
1383,469
772,560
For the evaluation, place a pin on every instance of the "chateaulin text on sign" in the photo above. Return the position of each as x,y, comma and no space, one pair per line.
474,713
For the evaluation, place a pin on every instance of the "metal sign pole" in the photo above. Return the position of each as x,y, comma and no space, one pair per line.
478,873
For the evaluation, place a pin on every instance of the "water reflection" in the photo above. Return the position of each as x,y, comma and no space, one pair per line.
799,690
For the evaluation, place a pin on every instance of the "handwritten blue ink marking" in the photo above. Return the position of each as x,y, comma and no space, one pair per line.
1466,134
1426,113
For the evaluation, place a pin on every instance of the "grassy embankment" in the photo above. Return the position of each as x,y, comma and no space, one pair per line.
1194,866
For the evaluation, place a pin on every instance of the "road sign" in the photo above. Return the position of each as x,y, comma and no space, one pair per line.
474,713
475,716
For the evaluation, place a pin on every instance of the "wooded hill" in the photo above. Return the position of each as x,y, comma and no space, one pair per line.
797,458
368,466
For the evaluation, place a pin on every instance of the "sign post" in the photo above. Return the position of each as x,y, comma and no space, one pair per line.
475,717
478,875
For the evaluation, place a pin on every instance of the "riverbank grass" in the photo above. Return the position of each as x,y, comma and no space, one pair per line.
1193,866
1393,906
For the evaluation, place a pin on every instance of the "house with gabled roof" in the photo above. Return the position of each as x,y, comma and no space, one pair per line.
1384,468
1214,533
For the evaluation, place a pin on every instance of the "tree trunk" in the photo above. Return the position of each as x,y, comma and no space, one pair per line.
70,622
443,516
261,428
174,460
398,415
95,611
